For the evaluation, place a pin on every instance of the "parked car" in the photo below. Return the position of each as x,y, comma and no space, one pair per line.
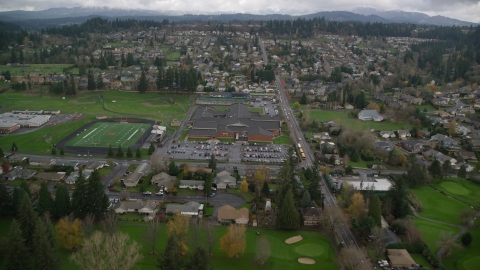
159,193
147,193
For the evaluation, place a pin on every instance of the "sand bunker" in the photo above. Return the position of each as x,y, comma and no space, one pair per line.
294,239
306,261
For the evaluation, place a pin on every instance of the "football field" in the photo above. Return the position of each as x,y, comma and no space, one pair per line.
103,134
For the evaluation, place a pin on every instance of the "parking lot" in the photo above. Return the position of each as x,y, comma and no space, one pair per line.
268,106
200,150
264,153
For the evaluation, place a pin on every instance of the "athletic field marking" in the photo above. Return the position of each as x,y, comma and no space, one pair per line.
132,135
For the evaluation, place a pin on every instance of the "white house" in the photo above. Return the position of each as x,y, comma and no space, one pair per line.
387,134
369,115
192,184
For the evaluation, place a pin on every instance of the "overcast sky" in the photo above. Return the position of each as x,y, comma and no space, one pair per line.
467,10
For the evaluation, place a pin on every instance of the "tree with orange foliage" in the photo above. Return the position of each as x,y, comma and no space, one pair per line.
69,233
233,242
373,106
244,186
357,206
178,227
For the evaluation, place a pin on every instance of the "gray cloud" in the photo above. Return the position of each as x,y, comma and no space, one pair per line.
468,10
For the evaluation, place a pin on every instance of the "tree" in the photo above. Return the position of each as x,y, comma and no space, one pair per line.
244,186
61,205
467,217
7,75
306,200
462,172
138,154
26,188
375,210
303,99
296,106
110,222
452,128
18,194
353,259
14,147
447,243
129,153
116,251
265,189
416,175
212,163
262,251
45,201
119,152
46,257
62,152
151,234
143,84
1,153
13,56
171,259
91,85
446,167
398,194
377,238
198,260
16,255
178,227
435,169
87,224
151,149
357,206
54,151
97,200
210,236
373,106
27,218
287,216
173,169
110,151
466,239
5,200
233,242
69,233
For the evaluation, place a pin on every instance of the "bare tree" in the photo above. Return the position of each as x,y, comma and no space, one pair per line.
468,216
331,218
262,252
195,232
353,259
447,243
87,223
378,245
108,251
110,222
210,235
151,234
124,195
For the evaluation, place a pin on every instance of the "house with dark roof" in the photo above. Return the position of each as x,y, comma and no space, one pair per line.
312,216
239,123
190,208
369,115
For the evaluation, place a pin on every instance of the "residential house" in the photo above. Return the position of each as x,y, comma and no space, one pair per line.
51,176
442,114
192,184
338,159
413,146
321,136
19,173
45,162
162,179
403,134
475,144
400,258
369,115
387,134
136,207
92,166
224,179
467,156
228,214
133,178
311,216
433,154
189,208
468,167
383,145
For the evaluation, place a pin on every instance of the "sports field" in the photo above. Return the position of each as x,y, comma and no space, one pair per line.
103,134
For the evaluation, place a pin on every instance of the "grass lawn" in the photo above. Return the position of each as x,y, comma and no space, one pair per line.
428,106
420,259
342,118
173,55
15,183
461,189
468,257
437,206
431,231
259,110
40,69
187,192
283,140
102,134
184,134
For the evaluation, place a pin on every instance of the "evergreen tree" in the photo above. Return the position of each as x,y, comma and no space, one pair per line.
466,239
91,85
151,149
1,153
171,259
375,210
123,60
45,201
119,152
287,216
103,63
139,153
110,151
62,152
198,260
314,184
143,84
462,172
303,99
173,168
54,151
61,205
416,175
5,200
398,194
46,257
27,217
129,61
18,194
212,163
78,197
99,85
16,255
435,169
13,57
14,147
97,200
26,188
129,153
265,189
306,200
82,70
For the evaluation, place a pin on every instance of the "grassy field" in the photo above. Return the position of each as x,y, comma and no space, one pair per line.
467,258
461,189
259,110
103,134
345,120
40,69
173,55
420,259
431,232
283,140
437,206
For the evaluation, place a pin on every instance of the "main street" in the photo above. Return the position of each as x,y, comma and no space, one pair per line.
344,232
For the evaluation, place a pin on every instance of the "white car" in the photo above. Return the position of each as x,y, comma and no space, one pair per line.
147,193
159,193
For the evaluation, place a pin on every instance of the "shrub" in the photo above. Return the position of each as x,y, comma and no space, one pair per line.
467,239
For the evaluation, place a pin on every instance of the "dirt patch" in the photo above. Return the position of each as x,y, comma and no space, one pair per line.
306,261
77,102
31,95
148,104
111,134
294,239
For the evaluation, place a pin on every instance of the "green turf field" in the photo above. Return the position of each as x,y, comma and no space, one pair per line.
468,257
103,134
461,189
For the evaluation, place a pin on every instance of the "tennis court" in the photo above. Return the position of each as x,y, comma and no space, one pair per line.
103,134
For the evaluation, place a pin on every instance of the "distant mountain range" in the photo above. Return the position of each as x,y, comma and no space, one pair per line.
61,16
